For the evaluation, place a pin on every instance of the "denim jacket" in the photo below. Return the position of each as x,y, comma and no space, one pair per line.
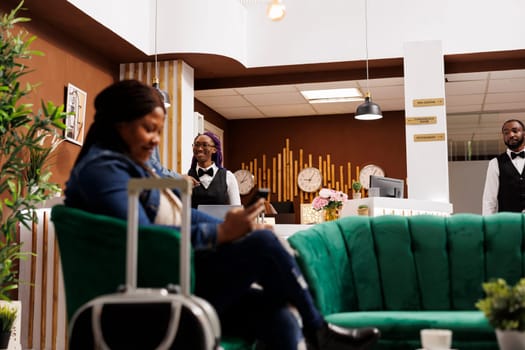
98,184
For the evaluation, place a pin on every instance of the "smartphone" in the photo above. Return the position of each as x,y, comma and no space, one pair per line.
260,193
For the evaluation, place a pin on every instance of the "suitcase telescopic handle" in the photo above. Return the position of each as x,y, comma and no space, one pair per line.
135,186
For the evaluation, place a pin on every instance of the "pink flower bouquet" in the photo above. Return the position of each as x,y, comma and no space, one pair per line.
329,199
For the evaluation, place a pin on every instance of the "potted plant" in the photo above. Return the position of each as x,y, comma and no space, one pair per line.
24,146
8,315
504,307
362,210
356,188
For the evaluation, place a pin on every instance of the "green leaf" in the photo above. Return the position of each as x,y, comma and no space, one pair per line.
27,142
504,305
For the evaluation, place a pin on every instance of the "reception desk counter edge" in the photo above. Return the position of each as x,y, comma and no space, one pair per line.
378,206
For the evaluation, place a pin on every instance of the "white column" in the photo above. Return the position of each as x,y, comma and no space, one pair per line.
426,137
183,112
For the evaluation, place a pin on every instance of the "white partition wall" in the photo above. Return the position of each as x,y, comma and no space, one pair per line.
426,124
185,114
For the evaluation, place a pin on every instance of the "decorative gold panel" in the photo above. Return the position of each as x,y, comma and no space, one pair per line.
279,173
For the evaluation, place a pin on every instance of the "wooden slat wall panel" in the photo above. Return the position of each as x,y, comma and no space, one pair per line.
44,320
281,176
169,75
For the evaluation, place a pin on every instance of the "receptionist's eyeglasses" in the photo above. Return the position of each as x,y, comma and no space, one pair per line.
202,144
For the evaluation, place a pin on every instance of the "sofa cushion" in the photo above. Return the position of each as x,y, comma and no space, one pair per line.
401,329
325,253
393,246
429,246
504,248
360,246
467,259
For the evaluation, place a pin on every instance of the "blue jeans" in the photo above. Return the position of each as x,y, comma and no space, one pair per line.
225,276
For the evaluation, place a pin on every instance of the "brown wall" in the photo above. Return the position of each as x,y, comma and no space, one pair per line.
64,62
211,116
346,139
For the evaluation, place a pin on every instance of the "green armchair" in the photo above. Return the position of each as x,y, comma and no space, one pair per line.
93,257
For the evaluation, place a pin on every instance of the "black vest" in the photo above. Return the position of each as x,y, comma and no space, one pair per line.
216,193
511,193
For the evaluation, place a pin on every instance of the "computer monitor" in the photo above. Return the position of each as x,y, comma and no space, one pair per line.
388,187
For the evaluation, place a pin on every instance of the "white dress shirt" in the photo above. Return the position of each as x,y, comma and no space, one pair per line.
231,182
490,193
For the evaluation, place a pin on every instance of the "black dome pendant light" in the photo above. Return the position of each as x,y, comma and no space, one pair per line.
368,110
163,93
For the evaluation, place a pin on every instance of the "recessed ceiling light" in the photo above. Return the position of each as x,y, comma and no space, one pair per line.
333,95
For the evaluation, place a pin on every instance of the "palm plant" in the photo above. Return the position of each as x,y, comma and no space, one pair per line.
24,148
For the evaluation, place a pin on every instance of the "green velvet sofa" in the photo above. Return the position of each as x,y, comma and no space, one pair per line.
403,274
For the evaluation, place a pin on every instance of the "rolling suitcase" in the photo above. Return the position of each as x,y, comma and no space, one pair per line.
138,318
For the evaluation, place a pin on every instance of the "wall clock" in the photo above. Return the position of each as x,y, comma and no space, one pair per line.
245,180
370,169
309,179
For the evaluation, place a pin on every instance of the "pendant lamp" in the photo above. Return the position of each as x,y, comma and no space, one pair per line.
368,110
163,93
276,10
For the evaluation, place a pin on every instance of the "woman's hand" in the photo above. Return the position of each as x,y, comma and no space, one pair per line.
239,222
194,181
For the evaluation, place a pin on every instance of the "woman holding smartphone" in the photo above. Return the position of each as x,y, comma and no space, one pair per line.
229,256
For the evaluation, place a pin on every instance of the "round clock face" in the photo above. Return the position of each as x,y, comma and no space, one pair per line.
309,179
245,180
370,169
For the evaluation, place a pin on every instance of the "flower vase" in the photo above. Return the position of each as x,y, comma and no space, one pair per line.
331,214
510,339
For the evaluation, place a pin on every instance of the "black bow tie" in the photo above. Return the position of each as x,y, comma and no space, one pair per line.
517,154
201,172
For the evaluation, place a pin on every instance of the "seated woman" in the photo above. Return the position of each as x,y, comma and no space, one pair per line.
230,255
216,185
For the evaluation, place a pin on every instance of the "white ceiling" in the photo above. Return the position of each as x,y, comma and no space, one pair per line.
477,104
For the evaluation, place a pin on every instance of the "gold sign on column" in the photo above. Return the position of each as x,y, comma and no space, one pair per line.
421,120
426,102
429,137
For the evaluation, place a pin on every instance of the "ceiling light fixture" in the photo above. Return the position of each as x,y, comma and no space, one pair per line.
163,93
368,110
276,10
333,95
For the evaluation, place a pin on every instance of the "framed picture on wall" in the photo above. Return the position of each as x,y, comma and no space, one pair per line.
76,114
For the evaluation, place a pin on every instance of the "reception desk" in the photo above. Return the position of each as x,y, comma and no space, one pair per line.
396,206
